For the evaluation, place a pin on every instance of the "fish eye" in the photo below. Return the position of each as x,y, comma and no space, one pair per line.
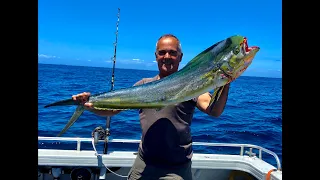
236,50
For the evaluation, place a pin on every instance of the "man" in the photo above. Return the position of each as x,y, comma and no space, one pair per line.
165,150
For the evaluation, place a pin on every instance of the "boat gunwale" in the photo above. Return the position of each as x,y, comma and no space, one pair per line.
242,146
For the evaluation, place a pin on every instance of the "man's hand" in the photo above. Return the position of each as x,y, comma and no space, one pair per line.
83,98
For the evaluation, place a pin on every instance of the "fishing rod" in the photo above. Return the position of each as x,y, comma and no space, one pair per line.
105,149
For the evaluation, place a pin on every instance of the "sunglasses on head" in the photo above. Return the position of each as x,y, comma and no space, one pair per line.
170,52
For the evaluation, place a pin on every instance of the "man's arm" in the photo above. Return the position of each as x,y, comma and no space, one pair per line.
204,101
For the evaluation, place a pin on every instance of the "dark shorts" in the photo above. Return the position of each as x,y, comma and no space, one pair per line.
142,171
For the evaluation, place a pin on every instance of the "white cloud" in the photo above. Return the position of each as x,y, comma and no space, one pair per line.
137,60
130,61
47,56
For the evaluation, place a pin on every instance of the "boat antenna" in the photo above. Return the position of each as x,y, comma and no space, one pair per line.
105,149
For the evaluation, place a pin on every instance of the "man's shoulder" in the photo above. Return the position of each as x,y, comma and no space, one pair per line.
145,80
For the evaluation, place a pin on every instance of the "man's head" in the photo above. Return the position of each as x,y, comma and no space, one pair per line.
168,54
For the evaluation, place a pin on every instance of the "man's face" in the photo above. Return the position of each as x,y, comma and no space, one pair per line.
168,56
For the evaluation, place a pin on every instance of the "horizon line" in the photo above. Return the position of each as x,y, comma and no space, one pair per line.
137,69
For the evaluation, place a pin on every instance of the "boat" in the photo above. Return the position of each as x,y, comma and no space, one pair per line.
81,164
55,163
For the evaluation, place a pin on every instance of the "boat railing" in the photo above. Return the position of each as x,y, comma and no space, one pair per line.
241,146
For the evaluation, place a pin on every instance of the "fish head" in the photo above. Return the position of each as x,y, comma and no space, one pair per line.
239,57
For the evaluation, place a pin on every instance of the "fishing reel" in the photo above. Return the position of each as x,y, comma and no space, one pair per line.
100,134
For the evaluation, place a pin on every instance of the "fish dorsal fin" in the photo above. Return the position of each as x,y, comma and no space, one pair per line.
203,52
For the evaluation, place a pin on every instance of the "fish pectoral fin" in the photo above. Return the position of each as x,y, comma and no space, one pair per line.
215,97
73,119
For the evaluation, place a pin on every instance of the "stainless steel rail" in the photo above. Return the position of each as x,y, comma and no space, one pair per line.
242,146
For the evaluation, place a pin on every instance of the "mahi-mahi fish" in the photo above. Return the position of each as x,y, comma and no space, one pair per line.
212,69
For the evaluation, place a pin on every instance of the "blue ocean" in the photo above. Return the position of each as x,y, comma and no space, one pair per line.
253,114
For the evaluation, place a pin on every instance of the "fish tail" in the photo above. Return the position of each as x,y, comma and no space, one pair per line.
63,103
73,119
215,97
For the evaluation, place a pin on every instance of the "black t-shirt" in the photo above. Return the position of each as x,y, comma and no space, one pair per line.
165,131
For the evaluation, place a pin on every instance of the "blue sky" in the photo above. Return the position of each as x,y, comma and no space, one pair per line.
81,32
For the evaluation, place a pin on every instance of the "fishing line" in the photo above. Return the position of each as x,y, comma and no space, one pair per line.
105,149
97,154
